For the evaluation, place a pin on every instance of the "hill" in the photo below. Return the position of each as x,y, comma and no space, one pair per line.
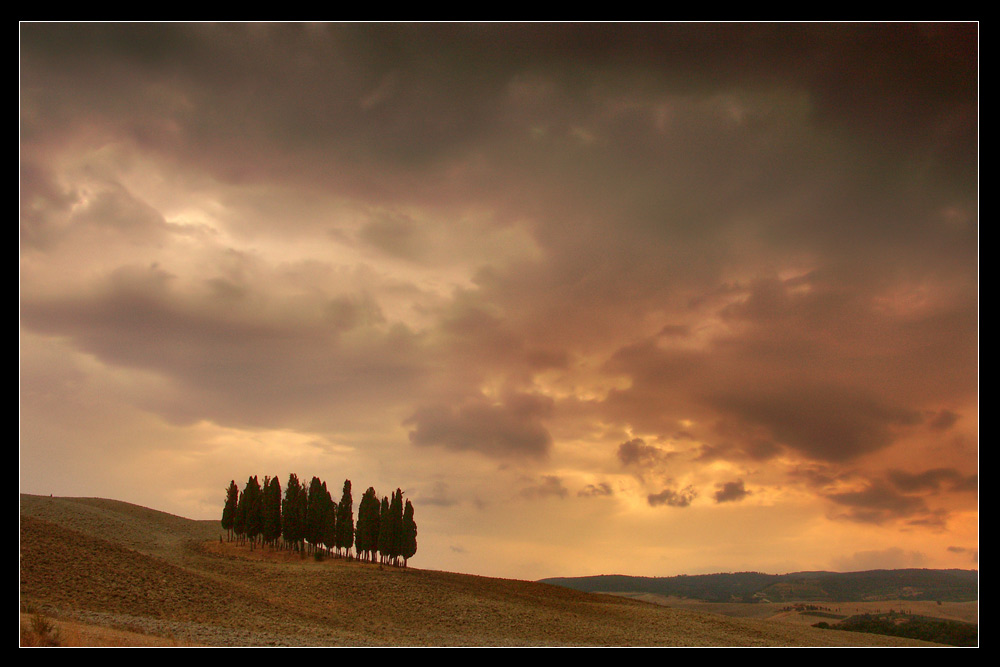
107,563
910,584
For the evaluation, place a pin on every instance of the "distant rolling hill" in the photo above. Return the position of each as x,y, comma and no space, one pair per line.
911,584
112,564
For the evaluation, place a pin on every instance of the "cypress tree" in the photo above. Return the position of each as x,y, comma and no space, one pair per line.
240,521
409,533
272,511
265,506
366,533
345,520
254,520
383,530
396,526
302,510
360,545
229,511
316,512
330,527
291,525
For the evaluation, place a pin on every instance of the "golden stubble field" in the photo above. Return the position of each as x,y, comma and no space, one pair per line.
97,565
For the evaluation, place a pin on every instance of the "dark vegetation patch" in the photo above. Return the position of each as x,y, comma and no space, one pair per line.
912,584
937,630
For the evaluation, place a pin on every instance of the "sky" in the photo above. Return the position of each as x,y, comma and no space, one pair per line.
647,299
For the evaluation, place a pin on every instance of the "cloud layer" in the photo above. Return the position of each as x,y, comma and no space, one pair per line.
640,268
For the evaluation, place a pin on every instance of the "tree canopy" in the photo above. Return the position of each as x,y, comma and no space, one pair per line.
308,519
229,511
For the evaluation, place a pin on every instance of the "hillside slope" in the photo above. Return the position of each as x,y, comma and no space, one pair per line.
908,584
110,563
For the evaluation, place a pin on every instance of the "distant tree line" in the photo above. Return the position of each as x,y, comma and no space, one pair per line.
910,584
939,630
309,520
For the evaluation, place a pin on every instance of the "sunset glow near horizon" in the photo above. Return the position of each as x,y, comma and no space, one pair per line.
647,299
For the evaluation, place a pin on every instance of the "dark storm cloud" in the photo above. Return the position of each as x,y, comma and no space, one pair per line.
776,369
672,497
371,103
43,203
685,139
592,490
479,332
973,552
382,102
751,448
551,485
824,422
676,331
969,483
636,452
115,209
817,476
234,352
759,388
541,359
439,496
347,313
731,492
52,214
766,235
396,235
654,401
932,480
944,420
512,428
879,503
934,519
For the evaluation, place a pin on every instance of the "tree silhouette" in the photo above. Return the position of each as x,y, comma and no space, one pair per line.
409,533
316,510
396,527
310,515
293,512
345,520
330,527
366,534
240,520
384,531
229,511
254,516
272,510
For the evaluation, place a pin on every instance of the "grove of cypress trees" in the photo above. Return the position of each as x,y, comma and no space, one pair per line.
384,527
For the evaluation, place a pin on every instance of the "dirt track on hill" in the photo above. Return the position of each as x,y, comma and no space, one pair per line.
113,564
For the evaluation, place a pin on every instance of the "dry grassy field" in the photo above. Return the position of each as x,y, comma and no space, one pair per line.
110,573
